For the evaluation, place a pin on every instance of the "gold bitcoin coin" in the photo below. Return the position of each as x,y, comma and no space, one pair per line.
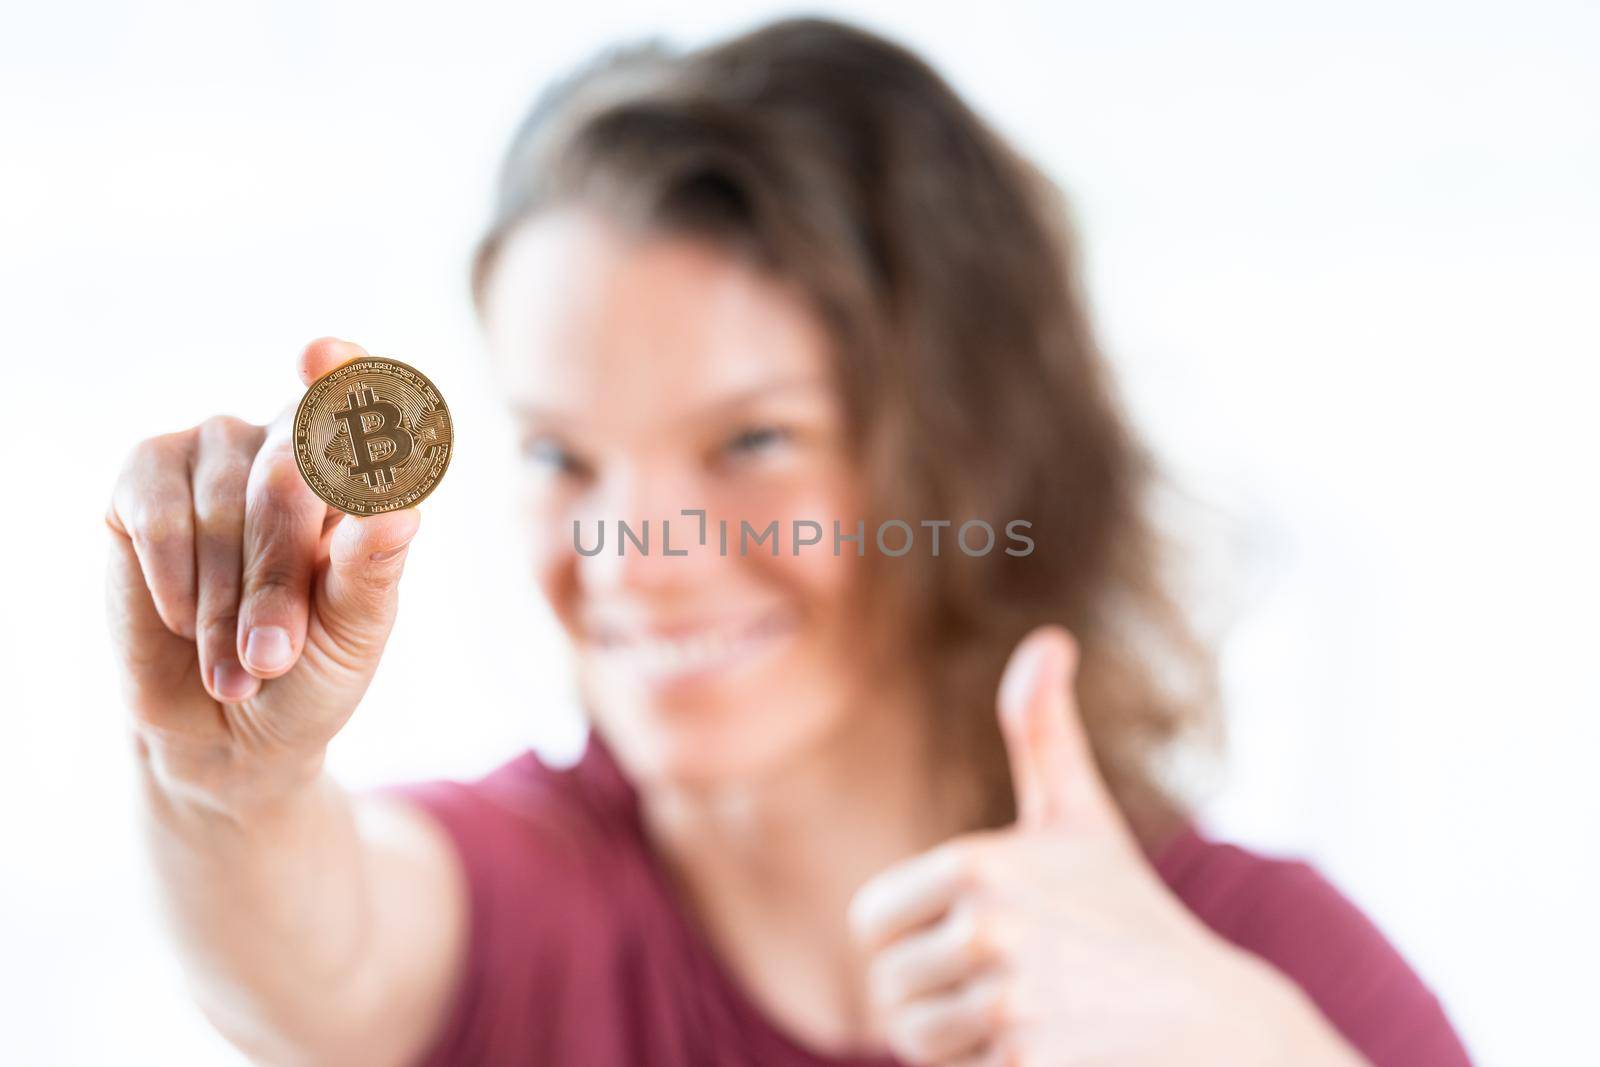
372,435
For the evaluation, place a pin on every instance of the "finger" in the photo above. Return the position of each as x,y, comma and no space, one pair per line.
324,354
909,895
355,602
1053,769
151,506
283,522
154,658
948,1025
995,1053
360,590
950,951
225,453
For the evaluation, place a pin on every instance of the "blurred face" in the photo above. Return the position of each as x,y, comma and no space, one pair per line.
658,374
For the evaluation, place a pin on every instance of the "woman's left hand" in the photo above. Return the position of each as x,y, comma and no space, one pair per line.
1053,941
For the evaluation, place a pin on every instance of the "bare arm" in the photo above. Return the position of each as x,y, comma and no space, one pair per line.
315,927
323,929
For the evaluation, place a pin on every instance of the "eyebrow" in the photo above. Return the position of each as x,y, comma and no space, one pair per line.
737,398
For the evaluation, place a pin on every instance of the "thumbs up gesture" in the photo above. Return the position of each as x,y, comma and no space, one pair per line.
1053,942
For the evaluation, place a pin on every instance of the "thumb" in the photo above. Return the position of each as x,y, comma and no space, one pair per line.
1052,764
360,589
325,353
354,600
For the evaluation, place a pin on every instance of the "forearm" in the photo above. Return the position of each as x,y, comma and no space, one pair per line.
271,907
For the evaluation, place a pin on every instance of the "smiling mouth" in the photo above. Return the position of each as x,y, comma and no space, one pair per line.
657,660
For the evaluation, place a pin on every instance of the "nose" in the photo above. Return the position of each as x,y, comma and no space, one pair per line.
633,534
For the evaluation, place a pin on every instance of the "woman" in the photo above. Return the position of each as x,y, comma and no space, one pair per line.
787,288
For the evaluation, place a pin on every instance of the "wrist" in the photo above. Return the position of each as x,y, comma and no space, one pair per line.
1284,1024
207,781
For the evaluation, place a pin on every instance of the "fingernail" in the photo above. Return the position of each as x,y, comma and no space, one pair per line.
232,683
1021,677
267,648
390,553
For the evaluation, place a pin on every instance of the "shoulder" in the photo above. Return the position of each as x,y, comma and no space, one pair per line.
523,799
550,867
1285,911
529,823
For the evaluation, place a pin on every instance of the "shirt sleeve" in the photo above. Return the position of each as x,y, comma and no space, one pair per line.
462,1038
1286,912
535,922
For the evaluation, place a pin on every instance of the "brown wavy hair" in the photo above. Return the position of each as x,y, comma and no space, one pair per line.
945,267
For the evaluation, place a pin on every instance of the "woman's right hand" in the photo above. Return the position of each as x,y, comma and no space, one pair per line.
249,615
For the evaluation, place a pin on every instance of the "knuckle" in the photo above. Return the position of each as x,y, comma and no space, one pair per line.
157,523
974,933
142,455
276,519
145,501
966,859
162,448
271,523
218,633
218,567
217,551
885,976
937,1027
1001,1007
1005,1054
909,1034
142,460
224,430
277,454
368,596
274,474
219,498
273,575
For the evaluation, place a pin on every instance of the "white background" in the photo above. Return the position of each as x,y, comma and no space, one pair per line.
1345,259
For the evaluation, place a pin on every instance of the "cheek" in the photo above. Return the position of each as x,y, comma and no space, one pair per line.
552,571
816,576
807,505
815,489
552,561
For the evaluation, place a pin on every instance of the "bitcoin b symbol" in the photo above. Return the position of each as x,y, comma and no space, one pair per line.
385,448
378,441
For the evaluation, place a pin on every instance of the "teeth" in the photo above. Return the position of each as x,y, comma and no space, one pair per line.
660,658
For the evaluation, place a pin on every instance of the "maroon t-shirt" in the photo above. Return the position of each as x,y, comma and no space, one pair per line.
579,952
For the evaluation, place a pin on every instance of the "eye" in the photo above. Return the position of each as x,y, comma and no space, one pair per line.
549,452
755,439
